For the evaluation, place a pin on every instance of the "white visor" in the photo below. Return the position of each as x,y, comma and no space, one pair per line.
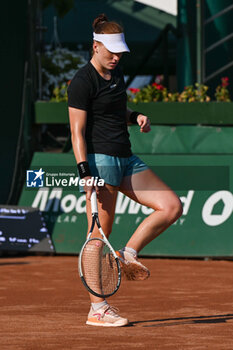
113,42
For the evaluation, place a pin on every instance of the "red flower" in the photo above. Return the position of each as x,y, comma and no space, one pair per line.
158,86
134,90
225,81
68,82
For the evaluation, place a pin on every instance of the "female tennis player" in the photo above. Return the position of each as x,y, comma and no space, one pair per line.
98,118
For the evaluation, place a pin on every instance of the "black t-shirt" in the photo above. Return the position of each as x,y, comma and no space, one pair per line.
106,104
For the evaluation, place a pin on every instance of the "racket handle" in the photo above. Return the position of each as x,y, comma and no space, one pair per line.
94,208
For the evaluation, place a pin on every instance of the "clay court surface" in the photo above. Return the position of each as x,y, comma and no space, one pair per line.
185,304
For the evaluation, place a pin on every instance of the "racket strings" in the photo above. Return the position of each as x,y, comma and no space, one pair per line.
99,267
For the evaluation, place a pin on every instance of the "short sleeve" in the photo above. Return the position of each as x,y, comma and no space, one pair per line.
79,92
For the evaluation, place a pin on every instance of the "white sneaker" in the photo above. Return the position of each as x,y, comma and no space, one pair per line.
131,267
106,316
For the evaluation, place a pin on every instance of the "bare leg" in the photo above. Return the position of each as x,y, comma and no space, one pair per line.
106,207
148,189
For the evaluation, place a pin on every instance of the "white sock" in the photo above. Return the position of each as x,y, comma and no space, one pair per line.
130,250
96,306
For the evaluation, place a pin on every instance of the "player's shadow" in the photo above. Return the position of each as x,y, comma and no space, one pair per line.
166,322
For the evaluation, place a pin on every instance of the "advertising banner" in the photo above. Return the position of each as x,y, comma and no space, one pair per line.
204,184
23,228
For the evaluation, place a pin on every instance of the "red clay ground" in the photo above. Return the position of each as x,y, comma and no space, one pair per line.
185,304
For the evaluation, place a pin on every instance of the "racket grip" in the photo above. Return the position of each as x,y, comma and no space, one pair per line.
94,208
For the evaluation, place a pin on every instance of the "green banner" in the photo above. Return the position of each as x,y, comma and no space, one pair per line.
182,139
204,184
160,113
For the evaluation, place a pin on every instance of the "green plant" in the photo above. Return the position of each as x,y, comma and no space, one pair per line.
58,67
197,93
201,93
188,95
222,93
172,97
60,93
157,92
150,93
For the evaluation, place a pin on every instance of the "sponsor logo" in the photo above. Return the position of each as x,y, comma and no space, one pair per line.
225,199
55,202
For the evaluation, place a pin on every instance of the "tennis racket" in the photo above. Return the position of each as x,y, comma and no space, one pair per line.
99,266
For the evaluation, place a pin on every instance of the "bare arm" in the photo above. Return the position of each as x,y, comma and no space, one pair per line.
78,120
